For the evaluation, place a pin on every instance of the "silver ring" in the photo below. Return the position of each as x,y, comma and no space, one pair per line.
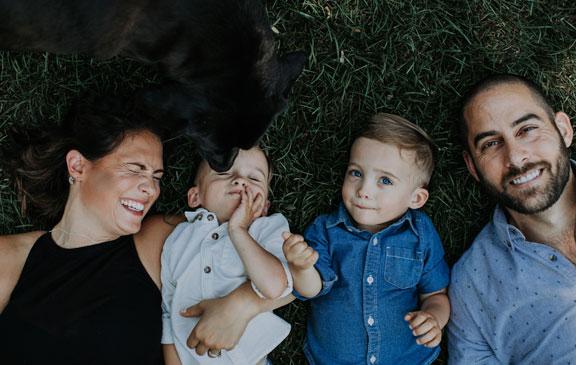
214,353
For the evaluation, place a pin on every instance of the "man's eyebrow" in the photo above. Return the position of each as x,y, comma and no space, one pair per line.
481,136
144,168
525,118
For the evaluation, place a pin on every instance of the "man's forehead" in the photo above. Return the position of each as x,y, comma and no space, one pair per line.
502,104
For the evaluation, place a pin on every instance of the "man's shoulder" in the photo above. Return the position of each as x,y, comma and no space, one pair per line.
476,258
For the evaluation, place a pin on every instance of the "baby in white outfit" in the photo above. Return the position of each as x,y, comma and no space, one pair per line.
227,241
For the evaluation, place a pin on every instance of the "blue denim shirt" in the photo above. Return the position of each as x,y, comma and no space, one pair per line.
370,281
513,301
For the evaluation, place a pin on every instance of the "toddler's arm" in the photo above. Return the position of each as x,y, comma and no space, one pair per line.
428,322
301,259
264,269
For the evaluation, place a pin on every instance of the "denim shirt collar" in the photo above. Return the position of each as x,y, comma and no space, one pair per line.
341,217
508,234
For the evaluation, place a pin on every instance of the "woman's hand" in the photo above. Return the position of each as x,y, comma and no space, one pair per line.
222,320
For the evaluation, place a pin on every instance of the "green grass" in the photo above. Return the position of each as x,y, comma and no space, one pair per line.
413,58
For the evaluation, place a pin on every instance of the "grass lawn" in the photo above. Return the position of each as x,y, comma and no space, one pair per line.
413,58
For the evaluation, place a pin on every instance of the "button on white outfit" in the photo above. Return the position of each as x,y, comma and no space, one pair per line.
199,262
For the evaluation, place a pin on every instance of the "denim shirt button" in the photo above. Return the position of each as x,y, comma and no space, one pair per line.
370,321
215,236
210,217
372,359
375,241
370,280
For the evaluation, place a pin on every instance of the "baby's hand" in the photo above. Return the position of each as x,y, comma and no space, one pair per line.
424,326
251,207
299,255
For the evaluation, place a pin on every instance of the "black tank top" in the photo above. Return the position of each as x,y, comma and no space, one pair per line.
89,305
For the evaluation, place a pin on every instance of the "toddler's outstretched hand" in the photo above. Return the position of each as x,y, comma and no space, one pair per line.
424,326
251,207
299,255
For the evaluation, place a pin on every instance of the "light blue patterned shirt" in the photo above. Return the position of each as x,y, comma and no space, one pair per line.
513,301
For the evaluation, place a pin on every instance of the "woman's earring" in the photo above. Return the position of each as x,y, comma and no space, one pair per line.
71,180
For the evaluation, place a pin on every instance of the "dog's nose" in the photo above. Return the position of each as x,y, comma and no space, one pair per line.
221,161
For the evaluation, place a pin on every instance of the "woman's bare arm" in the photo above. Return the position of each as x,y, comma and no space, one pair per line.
14,250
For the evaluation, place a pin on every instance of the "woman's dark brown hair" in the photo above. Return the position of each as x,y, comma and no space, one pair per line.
34,159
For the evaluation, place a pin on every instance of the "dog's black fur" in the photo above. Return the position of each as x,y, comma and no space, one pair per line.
225,81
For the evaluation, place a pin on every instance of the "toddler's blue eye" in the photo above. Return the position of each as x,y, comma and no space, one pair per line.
355,173
385,181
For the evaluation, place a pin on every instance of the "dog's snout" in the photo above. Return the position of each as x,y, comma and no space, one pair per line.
221,161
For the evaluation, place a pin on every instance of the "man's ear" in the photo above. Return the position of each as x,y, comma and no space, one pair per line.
194,197
562,121
470,165
419,198
77,164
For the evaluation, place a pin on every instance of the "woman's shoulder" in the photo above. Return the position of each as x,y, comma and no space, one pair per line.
15,245
14,250
150,241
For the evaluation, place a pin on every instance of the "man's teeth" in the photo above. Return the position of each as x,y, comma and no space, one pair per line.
133,205
528,177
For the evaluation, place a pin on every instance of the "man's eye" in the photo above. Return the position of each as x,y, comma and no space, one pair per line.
385,181
527,129
254,179
355,173
489,144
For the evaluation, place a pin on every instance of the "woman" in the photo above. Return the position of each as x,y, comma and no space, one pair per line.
87,291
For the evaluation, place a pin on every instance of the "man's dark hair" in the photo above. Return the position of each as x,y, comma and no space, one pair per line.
490,82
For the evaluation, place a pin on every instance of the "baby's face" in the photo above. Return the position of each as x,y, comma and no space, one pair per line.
381,183
219,192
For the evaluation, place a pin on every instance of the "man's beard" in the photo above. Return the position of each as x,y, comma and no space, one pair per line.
550,193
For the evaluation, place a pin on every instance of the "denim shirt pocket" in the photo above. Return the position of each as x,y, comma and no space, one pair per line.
403,266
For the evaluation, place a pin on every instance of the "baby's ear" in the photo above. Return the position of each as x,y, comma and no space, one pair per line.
419,198
266,207
194,200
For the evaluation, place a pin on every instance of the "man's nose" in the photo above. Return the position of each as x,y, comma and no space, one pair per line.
517,154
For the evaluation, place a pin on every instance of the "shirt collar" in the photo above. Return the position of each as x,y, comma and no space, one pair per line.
200,214
507,234
341,217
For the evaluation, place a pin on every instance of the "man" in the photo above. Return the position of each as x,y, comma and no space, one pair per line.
513,293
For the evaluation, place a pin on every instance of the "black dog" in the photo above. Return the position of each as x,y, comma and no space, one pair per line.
225,80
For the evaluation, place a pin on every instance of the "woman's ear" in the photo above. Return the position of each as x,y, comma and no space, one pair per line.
194,200
419,198
76,164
